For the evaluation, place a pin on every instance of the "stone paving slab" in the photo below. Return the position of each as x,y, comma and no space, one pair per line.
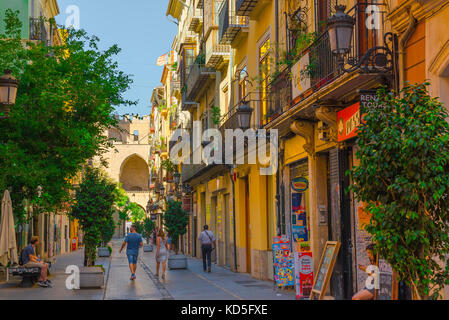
120,287
221,284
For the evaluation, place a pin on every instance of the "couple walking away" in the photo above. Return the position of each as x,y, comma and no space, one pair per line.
133,242
208,244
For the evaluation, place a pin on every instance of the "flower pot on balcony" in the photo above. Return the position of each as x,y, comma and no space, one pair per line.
91,277
177,261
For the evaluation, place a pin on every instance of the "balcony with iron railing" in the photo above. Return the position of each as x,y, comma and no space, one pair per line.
38,31
230,119
175,86
197,78
279,96
315,67
216,54
230,25
196,20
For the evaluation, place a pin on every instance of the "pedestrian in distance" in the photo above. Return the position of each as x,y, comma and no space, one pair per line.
29,259
161,252
208,244
133,242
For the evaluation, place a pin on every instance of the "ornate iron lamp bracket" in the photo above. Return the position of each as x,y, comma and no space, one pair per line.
376,59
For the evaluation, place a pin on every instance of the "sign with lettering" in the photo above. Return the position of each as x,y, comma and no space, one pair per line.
300,184
303,273
348,120
300,76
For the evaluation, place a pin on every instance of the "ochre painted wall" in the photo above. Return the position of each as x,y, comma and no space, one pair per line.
415,55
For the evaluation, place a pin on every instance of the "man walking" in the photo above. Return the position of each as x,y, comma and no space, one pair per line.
208,243
134,241
30,260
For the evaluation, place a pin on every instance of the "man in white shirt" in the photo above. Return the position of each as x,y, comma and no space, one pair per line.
208,243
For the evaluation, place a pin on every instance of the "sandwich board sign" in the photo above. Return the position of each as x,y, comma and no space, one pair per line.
325,269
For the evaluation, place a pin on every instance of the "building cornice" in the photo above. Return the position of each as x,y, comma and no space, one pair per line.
420,10
51,8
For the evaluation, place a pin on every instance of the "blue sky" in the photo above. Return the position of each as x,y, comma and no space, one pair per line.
140,28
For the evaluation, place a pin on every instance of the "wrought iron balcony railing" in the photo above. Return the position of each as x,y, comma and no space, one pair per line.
279,96
198,75
230,24
38,31
196,19
318,64
230,119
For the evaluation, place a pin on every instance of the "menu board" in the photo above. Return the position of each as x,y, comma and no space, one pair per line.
325,269
283,262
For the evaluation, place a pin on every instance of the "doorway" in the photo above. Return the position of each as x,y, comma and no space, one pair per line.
227,231
248,226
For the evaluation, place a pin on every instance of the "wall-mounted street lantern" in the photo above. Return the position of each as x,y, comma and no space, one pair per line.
341,34
244,112
8,93
340,27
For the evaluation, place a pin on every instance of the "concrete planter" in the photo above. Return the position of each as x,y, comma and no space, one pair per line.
147,248
177,261
103,252
91,277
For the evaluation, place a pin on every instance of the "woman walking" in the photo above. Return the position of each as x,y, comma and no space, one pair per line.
161,252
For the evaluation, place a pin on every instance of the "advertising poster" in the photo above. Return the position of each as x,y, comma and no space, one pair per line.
303,273
283,262
300,231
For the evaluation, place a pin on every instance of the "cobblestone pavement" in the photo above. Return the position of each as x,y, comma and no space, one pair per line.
189,284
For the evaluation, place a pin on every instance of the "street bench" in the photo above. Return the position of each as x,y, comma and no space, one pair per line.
29,275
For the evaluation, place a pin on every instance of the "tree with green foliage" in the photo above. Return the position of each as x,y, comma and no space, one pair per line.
136,213
108,231
122,203
93,207
403,177
175,220
148,228
65,102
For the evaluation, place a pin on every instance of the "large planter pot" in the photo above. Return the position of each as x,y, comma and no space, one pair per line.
177,261
103,252
147,248
91,277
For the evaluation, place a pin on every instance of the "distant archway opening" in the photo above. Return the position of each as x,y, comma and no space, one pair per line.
134,174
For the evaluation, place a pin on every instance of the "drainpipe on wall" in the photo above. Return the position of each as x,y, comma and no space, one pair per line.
405,37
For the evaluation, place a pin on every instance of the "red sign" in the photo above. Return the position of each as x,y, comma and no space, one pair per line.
303,274
347,121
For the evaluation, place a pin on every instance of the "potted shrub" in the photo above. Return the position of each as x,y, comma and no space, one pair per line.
107,232
95,218
175,220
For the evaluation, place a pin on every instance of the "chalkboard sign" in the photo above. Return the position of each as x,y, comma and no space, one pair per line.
325,269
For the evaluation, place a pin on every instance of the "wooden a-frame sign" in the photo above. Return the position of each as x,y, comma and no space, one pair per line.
325,269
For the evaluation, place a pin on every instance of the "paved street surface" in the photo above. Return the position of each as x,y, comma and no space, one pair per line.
191,284
12,290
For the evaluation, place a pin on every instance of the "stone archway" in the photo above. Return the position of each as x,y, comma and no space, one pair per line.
134,174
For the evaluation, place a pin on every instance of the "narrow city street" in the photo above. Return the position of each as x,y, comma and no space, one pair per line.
190,284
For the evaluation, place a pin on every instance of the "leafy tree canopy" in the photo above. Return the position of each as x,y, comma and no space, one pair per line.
67,94
403,177
93,208
175,220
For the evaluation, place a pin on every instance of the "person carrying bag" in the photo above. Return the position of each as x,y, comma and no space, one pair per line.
208,244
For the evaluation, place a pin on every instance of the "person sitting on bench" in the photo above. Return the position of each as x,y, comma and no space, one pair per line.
30,260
